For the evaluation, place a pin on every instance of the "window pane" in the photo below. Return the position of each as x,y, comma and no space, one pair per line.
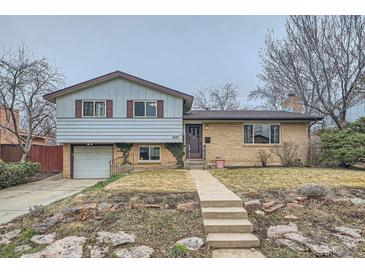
248,134
151,109
139,109
155,153
262,134
100,109
275,134
88,108
144,153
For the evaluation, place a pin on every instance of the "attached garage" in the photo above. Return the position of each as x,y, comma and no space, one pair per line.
92,161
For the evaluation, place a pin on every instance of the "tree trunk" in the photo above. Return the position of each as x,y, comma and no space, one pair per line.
26,150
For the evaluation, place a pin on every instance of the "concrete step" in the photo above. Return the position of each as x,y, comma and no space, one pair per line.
227,225
224,213
220,202
232,240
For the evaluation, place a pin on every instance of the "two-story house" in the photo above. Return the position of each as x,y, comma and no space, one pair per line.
94,116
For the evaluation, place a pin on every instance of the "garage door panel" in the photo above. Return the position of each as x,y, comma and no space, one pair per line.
92,161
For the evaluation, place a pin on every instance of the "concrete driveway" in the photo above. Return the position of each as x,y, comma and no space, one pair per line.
15,201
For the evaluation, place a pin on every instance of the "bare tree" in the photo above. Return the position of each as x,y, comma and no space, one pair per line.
321,59
220,97
23,82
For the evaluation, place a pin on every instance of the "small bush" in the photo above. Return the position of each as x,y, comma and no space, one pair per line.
287,153
12,174
178,251
263,157
176,149
313,190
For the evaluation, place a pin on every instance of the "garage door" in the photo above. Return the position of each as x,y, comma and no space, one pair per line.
92,161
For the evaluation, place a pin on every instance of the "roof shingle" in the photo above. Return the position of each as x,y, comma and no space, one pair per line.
248,115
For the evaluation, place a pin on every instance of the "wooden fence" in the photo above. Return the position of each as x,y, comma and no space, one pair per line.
50,157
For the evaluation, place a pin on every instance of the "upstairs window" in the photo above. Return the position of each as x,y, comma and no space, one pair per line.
145,109
93,109
261,134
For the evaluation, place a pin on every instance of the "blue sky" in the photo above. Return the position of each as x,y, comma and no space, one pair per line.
182,52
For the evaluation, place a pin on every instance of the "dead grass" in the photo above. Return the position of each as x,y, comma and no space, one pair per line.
156,181
281,178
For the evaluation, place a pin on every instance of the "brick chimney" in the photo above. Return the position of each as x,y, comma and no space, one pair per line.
293,104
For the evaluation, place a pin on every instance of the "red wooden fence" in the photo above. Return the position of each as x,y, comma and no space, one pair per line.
50,157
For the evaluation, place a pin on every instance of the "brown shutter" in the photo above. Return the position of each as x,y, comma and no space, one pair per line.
159,108
78,108
130,109
109,108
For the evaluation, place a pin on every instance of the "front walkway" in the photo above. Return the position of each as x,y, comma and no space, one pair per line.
16,201
228,231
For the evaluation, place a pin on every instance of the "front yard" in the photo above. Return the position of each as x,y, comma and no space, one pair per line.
272,199
138,215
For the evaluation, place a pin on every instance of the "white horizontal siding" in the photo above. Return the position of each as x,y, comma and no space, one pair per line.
120,91
118,130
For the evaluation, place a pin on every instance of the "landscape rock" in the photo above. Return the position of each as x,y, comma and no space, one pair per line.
291,245
7,237
192,243
268,204
294,205
297,238
98,251
302,199
142,251
349,241
187,206
358,201
68,247
47,223
352,232
149,205
79,208
252,205
319,249
104,207
22,248
115,239
279,230
43,239
273,208
260,212
291,217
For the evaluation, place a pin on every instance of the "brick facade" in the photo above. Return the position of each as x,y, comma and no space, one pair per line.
227,142
67,161
167,159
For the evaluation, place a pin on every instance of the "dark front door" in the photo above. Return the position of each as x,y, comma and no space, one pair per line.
193,141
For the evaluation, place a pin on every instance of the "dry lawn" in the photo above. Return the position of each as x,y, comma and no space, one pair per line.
156,181
281,178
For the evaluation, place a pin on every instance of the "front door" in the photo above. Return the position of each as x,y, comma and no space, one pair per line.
193,141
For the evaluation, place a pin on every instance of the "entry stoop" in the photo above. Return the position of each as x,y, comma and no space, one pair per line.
225,220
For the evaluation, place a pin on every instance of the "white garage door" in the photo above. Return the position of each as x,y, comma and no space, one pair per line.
92,161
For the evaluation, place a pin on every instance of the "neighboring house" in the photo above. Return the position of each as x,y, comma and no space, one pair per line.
94,116
7,137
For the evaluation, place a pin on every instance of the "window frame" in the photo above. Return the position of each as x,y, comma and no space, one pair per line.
149,154
145,108
94,104
253,134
